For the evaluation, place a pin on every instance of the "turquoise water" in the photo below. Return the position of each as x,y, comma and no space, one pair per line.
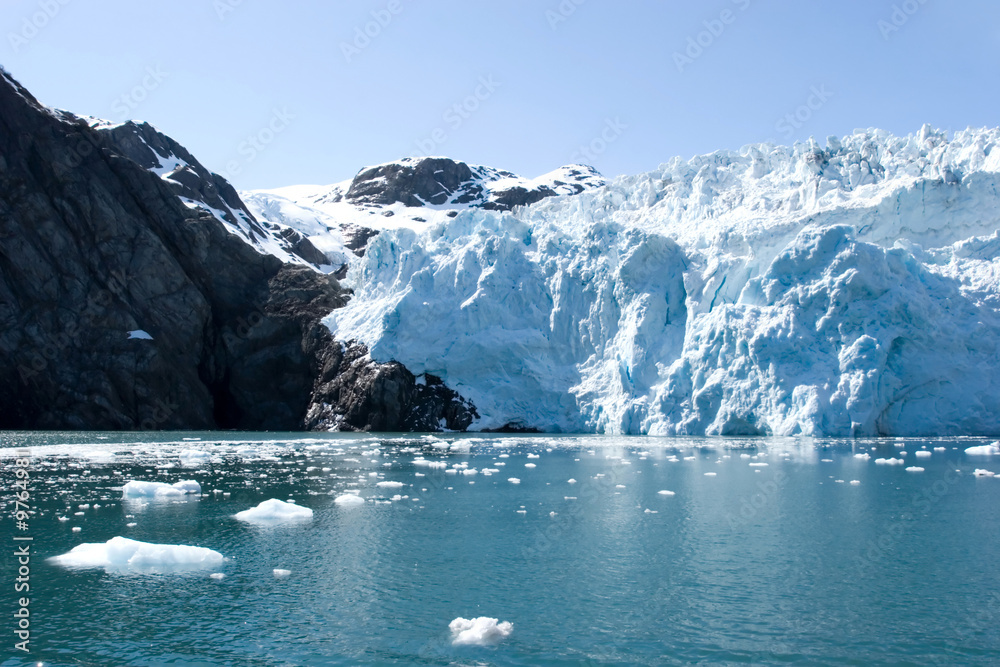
776,564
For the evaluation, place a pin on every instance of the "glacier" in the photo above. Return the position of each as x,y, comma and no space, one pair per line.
849,289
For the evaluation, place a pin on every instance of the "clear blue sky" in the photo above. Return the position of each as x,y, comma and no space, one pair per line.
557,84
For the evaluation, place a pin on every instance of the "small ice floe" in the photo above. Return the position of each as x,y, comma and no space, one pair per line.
889,462
914,469
534,456
77,529
420,461
649,511
529,465
349,499
275,511
710,474
138,334
278,572
665,493
984,473
922,454
758,465
480,631
571,481
217,576
390,485
864,456
121,553
193,458
136,489
513,480
992,449
552,514
855,482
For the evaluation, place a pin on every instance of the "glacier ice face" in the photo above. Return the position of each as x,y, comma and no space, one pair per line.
846,290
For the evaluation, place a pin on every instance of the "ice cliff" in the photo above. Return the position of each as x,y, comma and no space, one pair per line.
843,290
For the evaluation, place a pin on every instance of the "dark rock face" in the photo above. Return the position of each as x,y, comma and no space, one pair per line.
151,149
417,182
413,183
353,393
92,245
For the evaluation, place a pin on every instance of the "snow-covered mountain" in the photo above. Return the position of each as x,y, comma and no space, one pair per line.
201,189
412,193
851,289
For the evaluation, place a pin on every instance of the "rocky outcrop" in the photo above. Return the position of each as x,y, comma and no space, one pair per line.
186,177
93,246
138,292
353,393
440,181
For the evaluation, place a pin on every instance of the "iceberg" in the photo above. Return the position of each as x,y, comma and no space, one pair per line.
480,631
275,511
121,553
138,489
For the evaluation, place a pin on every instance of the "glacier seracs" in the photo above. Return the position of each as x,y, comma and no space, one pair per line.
843,290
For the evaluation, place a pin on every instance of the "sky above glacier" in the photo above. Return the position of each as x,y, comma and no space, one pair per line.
273,94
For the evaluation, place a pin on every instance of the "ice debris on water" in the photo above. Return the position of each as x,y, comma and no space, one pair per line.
482,631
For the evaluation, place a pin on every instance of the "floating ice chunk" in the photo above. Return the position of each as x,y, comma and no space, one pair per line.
217,575
349,499
889,462
992,449
193,458
710,474
77,529
187,486
513,480
983,473
138,334
390,485
275,511
855,482
922,454
121,553
758,465
529,465
571,481
914,469
666,493
278,572
136,489
470,471
480,631
865,456
534,456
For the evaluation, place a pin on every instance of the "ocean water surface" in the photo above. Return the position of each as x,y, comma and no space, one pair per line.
604,551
